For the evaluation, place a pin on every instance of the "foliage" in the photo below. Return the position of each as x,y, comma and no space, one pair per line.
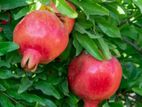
103,28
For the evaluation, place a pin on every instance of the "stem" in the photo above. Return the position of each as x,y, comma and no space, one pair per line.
91,103
133,45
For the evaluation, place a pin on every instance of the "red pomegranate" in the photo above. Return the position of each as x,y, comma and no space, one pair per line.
3,22
68,22
41,37
94,80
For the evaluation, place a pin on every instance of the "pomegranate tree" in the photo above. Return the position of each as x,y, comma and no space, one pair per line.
41,37
94,80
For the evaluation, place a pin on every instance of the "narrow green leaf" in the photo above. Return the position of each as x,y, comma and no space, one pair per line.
116,104
91,8
109,29
19,105
5,102
72,101
25,84
5,74
139,4
80,29
106,104
89,45
11,4
66,54
137,90
129,31
8,31
64,87
2,88
47,89
77,46
31,98
6,47
21,12
104,48
65,9
49,103
4,63
45,2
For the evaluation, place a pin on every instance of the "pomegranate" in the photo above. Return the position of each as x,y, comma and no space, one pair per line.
68,22
94,80
41,37
3,22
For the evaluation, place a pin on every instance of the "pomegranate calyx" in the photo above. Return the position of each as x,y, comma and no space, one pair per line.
91,103
30,60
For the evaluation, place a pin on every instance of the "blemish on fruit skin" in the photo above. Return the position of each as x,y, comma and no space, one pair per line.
94,80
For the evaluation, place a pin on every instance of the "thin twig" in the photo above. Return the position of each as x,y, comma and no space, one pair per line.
139,49
10,97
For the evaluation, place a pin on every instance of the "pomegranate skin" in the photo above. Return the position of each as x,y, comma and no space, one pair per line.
68,22
41,37
94,80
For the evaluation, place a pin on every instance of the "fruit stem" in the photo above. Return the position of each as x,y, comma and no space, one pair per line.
30,60
91,103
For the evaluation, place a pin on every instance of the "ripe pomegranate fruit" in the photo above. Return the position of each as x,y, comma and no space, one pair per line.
3,22
68,22
94,80
41,37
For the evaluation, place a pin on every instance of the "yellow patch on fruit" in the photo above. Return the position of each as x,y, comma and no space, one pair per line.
44,7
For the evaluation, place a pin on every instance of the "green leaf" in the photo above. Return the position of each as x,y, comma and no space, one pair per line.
21,12
64,87
5,102
11,4
13,57
25,84
19,105
80,29
65,9
31,98
66,54
89,45
104,48
47,89
77,46
109,29
139,4
106,104
137,90
72,101
116,104
49,103
91,8
4,64
5,74
6,47
45,2
8,31
130,31
2,88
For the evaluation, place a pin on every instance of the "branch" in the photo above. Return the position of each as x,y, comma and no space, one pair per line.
128,41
